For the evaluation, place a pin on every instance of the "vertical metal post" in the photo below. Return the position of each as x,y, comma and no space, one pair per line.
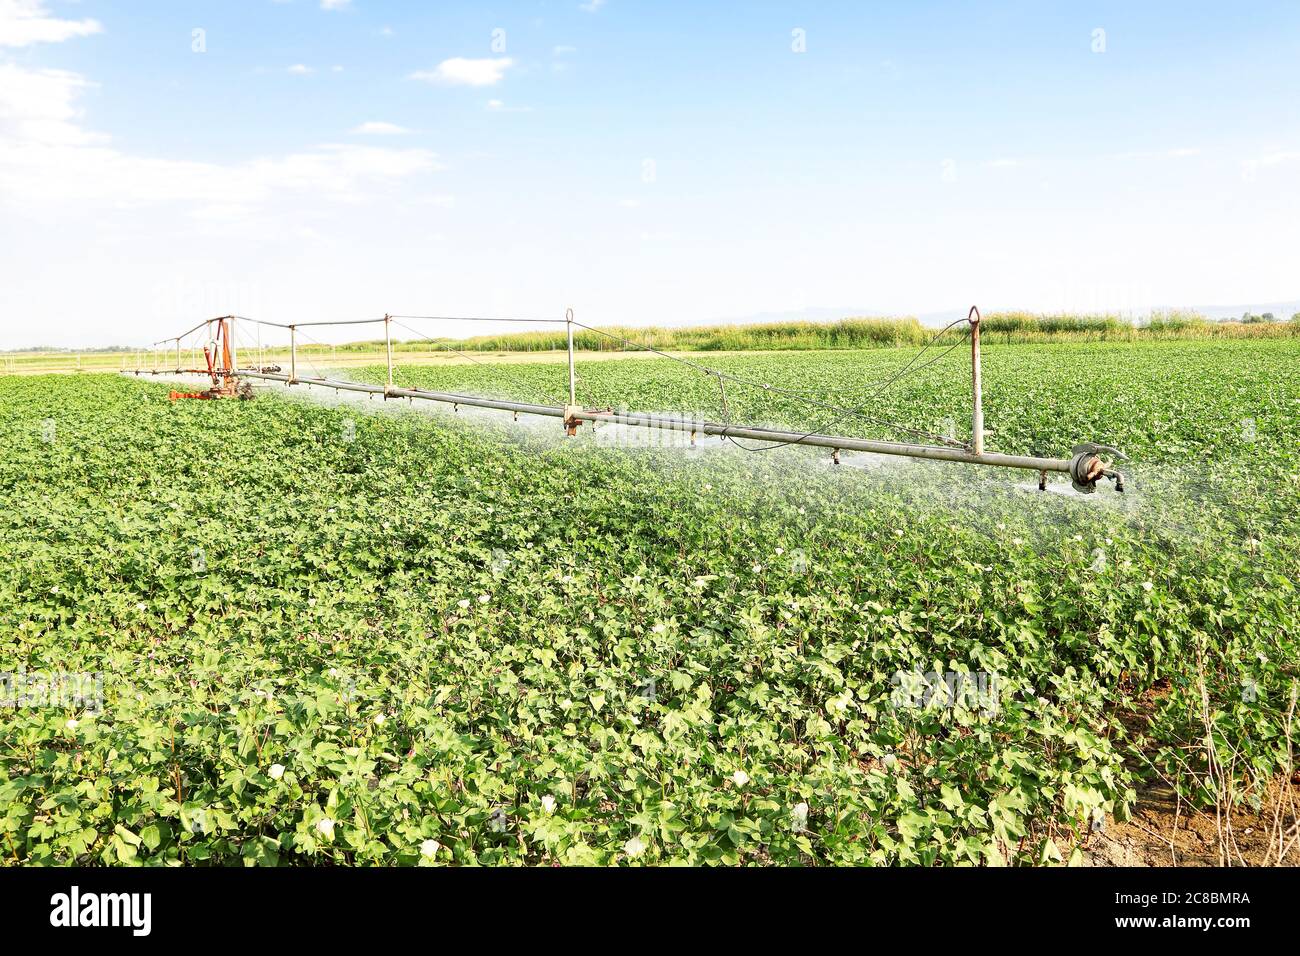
573,381
388,343
293,354
977,415
260,363
234,344
178,355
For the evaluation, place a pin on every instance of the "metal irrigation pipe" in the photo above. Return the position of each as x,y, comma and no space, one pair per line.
388,347
834,442
305,325
573,379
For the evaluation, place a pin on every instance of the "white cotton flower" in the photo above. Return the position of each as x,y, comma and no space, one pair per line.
799,817
72,724
463,603
277,771
1147,585
429,849
326,826
740,778
484,598
379,719
634,847
548,803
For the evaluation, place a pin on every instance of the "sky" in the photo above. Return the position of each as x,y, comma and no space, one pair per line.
640,162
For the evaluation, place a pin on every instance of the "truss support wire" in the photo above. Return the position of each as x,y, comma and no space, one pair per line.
470,358
840,412
572,413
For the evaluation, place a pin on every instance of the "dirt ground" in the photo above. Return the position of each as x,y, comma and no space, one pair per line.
69,363
1161,833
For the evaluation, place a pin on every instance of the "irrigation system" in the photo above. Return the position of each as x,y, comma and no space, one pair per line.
1087,464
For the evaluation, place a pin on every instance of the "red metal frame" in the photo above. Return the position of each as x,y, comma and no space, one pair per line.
224,382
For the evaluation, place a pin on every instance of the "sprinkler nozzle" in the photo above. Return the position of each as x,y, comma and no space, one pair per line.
1087,466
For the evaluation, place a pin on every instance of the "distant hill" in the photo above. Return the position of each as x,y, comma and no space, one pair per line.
1281,310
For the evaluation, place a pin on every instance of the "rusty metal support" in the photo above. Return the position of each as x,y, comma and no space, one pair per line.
388,345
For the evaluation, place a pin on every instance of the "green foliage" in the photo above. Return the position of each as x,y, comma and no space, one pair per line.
445,641
857,333
852,333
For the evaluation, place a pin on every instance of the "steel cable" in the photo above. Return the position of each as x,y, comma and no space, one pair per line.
495,367
841,412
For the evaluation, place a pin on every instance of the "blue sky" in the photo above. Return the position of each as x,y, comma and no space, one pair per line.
642,162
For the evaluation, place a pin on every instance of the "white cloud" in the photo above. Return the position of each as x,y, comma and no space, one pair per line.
499,106
37,107
1177,153
591,6
1250,167
300,69
380,128
1274,159
460,71
47,156
25,22
335,4
1005,163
